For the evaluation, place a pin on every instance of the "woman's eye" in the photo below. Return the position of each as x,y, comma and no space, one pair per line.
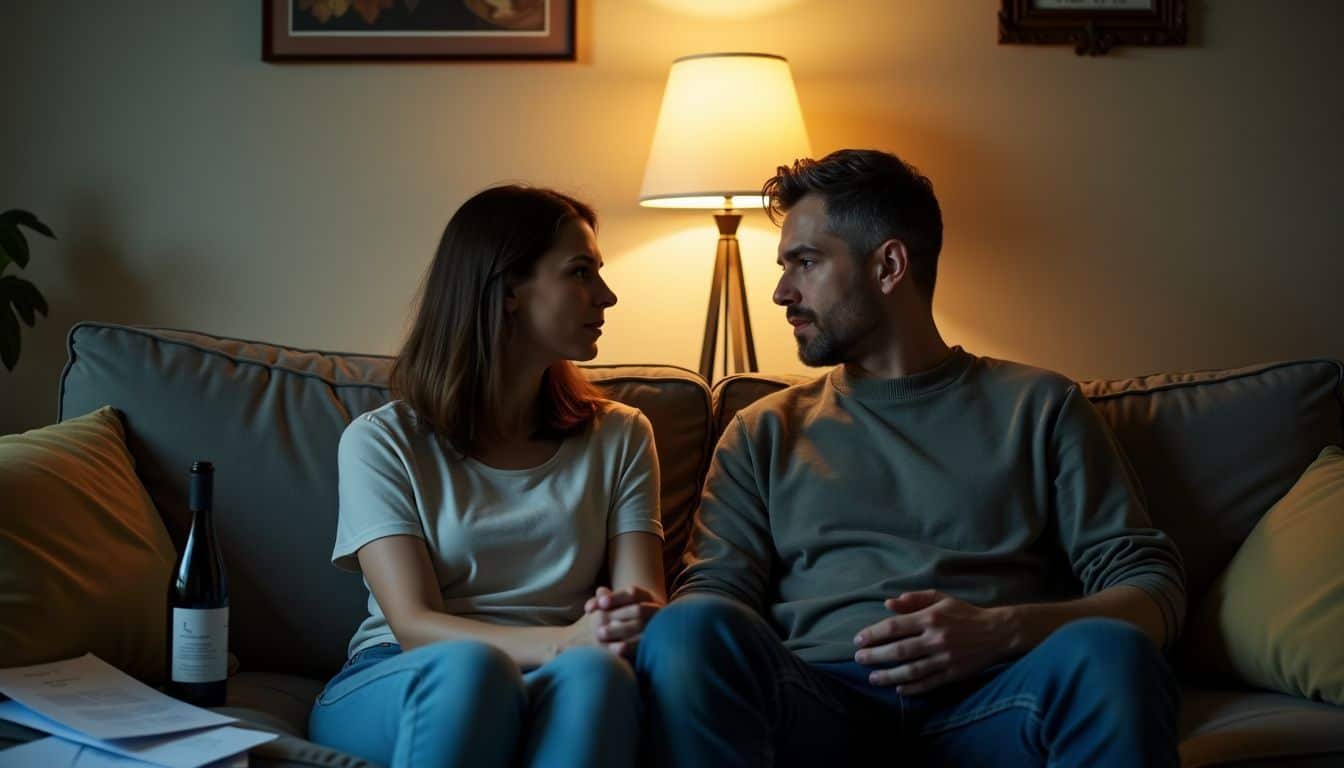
806,263
581,273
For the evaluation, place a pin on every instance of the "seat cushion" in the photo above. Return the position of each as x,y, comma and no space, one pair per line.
84,557
1241,728
270,417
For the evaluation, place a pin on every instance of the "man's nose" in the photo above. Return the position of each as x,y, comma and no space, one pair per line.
785,294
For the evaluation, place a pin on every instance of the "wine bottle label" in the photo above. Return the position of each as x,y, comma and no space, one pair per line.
200,645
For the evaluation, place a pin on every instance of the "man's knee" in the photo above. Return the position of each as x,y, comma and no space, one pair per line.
1111,655
691,631
696,621
1118,643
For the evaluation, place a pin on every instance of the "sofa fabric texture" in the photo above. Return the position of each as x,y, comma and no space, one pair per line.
84,557
1213,451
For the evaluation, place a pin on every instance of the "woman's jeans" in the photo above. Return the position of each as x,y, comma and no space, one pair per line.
722,690
466,703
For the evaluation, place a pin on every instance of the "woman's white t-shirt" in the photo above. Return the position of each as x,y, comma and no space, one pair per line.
519,547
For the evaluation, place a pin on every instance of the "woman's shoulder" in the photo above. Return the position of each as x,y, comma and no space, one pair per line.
394,422
616,417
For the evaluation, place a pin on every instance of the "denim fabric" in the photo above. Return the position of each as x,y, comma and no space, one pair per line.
466,703
721,689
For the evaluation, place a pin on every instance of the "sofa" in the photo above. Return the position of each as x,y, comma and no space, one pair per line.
1213,451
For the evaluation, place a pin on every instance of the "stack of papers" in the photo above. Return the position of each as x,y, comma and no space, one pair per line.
99,716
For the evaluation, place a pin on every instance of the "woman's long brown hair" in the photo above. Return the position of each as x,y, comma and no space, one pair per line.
449,369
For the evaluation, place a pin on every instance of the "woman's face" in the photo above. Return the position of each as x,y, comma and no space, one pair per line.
558,312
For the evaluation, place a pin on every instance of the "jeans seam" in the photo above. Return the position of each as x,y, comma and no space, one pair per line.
324,700
1023,700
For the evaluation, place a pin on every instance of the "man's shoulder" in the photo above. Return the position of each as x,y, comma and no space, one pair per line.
1010,377
788,404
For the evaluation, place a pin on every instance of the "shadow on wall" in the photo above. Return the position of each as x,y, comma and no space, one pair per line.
89,279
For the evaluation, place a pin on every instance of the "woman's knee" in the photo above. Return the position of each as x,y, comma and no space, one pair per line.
469,670
591,673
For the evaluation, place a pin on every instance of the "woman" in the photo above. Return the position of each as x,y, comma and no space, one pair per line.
484,506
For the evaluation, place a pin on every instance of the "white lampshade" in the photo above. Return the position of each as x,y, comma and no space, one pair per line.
728,120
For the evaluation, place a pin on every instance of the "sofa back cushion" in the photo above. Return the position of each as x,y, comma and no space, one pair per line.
1213,450
270,418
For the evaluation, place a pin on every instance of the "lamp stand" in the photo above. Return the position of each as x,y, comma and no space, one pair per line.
728,294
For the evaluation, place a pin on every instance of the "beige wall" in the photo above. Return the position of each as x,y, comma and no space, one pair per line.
1151,210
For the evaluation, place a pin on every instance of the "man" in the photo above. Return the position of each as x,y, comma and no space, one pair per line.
890,557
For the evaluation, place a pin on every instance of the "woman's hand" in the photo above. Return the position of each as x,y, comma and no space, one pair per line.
619,617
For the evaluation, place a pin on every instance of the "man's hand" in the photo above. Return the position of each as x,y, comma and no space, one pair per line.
621,617
934,640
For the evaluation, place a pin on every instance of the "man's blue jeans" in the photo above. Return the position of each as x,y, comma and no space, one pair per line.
466,703
721,689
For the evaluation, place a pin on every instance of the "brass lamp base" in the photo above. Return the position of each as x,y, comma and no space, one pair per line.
728,294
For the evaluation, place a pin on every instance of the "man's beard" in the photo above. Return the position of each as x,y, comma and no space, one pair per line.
834,342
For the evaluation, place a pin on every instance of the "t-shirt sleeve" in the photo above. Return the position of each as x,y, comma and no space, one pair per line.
635,505
375,492
1102,519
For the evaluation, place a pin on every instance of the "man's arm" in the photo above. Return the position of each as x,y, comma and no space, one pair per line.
1129,571
731,549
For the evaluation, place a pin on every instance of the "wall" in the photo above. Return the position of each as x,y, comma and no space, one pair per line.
1154,209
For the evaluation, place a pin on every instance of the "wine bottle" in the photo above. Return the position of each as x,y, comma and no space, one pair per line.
198,604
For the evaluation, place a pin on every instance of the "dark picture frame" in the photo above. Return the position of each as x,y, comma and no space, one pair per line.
1093,27
370,30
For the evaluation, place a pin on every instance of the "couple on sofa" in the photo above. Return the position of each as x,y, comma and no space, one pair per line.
887,560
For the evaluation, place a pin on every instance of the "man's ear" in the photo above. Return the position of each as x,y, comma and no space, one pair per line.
892,262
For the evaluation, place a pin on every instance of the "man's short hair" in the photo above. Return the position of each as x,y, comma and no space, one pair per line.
870,197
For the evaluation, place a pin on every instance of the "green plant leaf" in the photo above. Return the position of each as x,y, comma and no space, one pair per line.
9,338
13,244
24,296
30,221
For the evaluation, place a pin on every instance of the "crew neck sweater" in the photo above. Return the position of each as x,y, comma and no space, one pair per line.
994,482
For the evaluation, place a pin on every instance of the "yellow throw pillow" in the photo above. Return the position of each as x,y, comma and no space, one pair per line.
1275,617
84,557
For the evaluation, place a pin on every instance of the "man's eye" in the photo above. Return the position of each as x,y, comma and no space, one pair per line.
582,273
806,263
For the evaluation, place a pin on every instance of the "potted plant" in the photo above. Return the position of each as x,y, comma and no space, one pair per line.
16,294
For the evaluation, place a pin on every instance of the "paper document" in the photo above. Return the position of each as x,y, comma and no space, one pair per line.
56,753
175,750
97,699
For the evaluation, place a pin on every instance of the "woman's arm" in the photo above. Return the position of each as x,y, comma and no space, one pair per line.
401,579
636,560
636,563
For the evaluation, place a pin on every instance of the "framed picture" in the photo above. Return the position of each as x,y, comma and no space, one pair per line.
1093,27
417,29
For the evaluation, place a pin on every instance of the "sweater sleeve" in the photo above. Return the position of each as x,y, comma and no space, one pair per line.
731,549
1102,520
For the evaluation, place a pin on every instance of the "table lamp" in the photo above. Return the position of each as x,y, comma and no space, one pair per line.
728,120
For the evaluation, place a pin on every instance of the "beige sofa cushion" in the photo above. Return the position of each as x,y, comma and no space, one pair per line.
1275,618
84,557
